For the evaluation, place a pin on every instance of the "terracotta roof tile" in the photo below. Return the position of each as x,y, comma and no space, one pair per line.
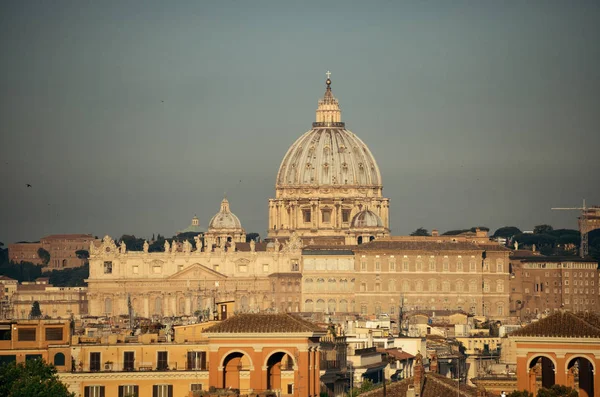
563,325
264,323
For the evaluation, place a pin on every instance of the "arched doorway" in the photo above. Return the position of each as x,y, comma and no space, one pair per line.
233,365
276,364
580,376
541,373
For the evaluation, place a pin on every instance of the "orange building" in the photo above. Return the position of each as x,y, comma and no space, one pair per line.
563,348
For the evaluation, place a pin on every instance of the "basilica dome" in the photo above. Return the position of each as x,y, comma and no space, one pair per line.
225,219
329,154
366,218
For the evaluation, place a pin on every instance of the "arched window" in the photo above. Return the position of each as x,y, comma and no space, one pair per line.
343,306
459,265
431,264
419,286
405,286
446,286
59,359
419,265
363,286
320,284
320,305
308,305
331,306
460,286
344,284
499,266
331,284
308,284
486,286
378,308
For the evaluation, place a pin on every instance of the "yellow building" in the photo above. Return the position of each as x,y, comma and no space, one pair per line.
55,302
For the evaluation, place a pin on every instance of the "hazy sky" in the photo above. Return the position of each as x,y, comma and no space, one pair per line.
477,112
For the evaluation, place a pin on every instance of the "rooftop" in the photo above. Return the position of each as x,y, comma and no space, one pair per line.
264,323
419,245
563,325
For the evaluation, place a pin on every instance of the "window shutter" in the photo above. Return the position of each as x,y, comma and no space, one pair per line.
121,391
86,391
154,391
101,391
136,390
170,390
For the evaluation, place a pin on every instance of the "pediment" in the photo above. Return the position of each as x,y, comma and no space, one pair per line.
197,272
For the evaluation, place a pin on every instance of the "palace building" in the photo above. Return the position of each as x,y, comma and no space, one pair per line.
328,249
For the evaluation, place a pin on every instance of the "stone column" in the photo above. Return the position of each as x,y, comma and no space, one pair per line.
188,305
146,307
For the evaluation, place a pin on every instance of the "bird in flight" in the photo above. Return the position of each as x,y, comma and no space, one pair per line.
28,185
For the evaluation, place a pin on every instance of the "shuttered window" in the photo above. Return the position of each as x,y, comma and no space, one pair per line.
54,333
162,391
26,334
93,391
129,391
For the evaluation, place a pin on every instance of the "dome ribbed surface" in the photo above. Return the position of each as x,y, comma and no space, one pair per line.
366,218
225,219
329,156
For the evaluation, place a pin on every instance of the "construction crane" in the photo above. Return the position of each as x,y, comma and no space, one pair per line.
588,214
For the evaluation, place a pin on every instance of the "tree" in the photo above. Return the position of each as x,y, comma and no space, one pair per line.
43,255
507,232
557,391
35,312
133,243
82,254
542,229
517,393
252,236
31,378
421,232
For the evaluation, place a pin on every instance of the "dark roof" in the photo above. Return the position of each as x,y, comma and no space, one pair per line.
7,278
419,245
434,385
245,247
68,237
494,247
558,259
563,325
327,251
264,323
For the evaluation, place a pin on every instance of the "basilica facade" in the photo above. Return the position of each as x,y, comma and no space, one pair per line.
328,249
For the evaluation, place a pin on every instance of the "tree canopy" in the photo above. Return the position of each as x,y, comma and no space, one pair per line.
31,378
557,391
35,312
542,229
72,277
43,255
506,231
421,232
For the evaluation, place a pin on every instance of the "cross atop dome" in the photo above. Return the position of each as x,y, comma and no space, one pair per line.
328,111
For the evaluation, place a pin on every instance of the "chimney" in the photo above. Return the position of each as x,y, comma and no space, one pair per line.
419,375
435,233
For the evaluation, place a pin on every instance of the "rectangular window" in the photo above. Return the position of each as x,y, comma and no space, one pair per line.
363,265
107,267
95,361
162,361
326,216
5,332
93,391
459,265
54,334
129,391
243,268
196,361
29,357
405,265
128,361
156,269
196,387
431,264
346,215
162,391
306,216
265,268
446,265
392,266
472,265
26,334
377,265
136,269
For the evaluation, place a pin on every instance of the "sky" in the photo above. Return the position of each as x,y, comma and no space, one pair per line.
129,117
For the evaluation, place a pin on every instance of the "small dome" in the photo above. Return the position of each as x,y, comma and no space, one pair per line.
225,219
366,218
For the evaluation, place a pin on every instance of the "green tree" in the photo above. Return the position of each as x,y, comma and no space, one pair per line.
31,378
133,243
43,255
507,231
73,277
252,236
542,229
557,391
82,254
421,232
35,312
518,393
